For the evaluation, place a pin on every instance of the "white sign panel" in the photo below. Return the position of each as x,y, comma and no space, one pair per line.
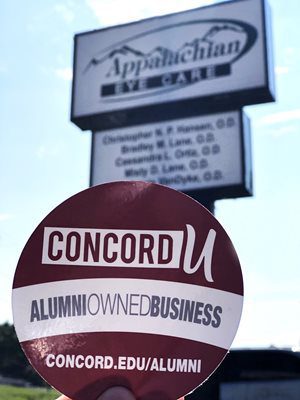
204,152
212,51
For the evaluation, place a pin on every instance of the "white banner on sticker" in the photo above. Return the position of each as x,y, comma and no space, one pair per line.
104,247
175,309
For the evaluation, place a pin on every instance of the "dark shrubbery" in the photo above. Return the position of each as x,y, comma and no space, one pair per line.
13,362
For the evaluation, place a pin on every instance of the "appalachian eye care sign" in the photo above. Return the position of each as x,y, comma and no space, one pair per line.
220,50
127,283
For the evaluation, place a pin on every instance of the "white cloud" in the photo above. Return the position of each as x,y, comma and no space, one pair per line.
290,50
112,12
280,117
45,151
65,12
281,70
64,73
262,326
285,130
5,216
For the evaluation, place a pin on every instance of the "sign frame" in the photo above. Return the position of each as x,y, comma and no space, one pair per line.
204,195
245,188
153,111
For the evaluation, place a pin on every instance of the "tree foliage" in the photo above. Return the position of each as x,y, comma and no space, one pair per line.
13,362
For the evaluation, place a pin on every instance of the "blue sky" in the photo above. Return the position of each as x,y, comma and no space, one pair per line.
44,158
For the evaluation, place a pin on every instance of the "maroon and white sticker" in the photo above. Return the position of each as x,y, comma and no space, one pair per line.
131,284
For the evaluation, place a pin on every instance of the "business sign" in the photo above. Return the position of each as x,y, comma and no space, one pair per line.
206,155
197,58
127,283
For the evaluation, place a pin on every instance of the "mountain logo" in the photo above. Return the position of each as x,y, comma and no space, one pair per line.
129,69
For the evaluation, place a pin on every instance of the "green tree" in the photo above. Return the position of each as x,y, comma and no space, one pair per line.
13,362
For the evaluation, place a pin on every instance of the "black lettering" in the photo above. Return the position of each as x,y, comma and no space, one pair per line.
44,316
155,301
77,304
113,254
35,313
91,247
174,308
115,69
165,307
217,322
64,306
189,310
125,257
146,249
73,241
51,246
161,253
198,313
207,313
52,307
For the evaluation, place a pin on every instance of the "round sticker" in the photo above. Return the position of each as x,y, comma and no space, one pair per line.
127,284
